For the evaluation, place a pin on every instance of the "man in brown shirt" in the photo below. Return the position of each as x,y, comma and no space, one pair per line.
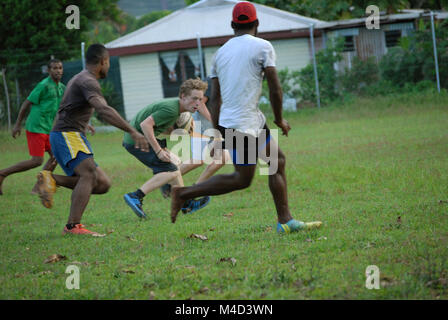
70,146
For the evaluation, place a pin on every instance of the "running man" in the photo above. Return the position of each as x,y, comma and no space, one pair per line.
42,105
200,143
158,118
237,75
70,146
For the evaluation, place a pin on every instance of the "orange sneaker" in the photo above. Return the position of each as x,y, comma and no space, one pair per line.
79,229
46,187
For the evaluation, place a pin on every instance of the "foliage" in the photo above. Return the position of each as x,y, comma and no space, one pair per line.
327,75
347,9
362,73
107,31
287,80
415,57
43,31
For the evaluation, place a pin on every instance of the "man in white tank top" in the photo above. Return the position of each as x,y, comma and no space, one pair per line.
237,74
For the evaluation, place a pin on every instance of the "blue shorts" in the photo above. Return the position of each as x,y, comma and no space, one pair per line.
244,148
70,149
150,158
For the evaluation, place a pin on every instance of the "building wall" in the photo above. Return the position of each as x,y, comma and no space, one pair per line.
292,53
142,83
140,76
370,43
208,57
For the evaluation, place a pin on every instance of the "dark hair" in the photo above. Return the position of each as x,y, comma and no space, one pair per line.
244,26
53,61
95,53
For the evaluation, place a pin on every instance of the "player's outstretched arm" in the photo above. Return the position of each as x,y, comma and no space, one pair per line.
276,99
24,109
111,116
215,102
147,126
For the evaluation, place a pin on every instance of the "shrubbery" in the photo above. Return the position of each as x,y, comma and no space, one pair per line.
409,67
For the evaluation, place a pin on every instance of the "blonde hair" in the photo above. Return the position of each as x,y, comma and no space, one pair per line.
192,84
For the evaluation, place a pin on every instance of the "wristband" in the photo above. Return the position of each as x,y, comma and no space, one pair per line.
157,153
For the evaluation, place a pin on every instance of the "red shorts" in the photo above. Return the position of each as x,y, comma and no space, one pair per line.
38,143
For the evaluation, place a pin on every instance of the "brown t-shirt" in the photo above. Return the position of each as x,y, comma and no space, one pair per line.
75,111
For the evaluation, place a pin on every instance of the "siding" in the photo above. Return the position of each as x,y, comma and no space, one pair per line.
208,57
370,43
292,53
140,77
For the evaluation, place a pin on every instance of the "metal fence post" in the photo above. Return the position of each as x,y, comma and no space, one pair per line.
200,56
313,52
83,58
435,50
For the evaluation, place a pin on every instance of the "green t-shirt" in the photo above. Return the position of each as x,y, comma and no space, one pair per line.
164,113
45,99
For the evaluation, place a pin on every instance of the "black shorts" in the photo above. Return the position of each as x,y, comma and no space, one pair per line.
150,158
243,147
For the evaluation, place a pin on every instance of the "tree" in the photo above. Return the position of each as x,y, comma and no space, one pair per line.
31,31
328,10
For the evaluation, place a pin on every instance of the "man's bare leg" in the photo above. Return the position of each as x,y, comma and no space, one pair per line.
213,167
219,184
190,165
87,173
102,183
50,165
277,180
20,167
161,179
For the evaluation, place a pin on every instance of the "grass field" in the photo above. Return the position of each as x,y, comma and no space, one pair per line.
375,171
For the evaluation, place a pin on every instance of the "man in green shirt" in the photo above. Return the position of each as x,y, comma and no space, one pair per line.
152,121
42,104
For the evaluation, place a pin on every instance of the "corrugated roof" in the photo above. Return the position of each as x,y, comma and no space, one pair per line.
406,15
209,19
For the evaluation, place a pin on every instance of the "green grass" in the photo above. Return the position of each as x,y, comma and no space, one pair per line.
357,167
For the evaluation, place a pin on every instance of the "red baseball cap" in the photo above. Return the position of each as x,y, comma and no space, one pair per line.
244,12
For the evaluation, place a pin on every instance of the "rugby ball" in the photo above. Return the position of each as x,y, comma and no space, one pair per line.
184,121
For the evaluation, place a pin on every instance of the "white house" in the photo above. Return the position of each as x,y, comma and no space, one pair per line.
155,59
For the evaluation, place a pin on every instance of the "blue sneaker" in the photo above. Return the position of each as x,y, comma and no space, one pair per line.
135,203
195,205
295,225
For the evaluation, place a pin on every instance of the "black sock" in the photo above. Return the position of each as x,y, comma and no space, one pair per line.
186,203
139,193
70,225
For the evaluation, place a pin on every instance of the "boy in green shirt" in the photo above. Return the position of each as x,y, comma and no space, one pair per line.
151,121
44,103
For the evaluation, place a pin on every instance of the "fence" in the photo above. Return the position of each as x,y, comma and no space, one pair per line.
20,81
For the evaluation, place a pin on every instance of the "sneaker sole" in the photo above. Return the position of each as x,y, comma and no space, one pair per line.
136,210
200,207
307,226
45,197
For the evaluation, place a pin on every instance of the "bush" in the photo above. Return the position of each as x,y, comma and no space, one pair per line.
326,74
362,74
413,60
288,83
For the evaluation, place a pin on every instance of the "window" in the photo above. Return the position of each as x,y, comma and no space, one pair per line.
349,43
392,38
176,67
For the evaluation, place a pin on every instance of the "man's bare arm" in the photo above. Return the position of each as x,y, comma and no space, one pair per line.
111,116
147,126
24,109
215,102
276,99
